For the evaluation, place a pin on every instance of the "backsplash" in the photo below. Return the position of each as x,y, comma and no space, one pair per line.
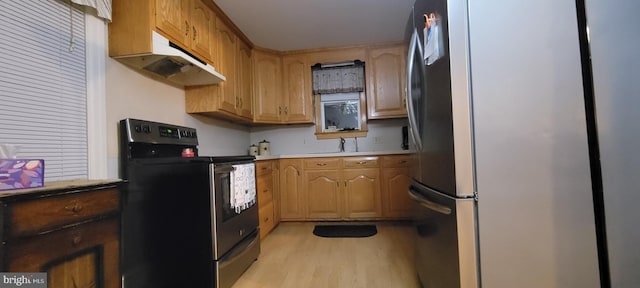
383,135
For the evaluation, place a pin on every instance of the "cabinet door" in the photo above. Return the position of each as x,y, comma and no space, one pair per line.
268,87
324,200
245,81
362,193
227,48
172,18
395,183
202,23
298,107
386,77
292,196
86,255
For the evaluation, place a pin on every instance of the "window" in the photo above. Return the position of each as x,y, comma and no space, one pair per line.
43,92
340,112
340,100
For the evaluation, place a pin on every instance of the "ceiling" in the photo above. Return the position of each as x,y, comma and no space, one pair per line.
303,24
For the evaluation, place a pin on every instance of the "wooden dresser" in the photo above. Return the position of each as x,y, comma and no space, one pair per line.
69,229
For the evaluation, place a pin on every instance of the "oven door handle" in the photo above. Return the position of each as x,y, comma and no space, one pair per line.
224,168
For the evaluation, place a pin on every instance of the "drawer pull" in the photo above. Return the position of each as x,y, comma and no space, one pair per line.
321,164
362,162
265,191
75,207
76,240
403,161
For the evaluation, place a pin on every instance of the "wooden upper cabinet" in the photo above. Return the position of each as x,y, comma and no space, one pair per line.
227,48
202,31
298,106
245,81
233,98
386,77
267,87
188,23
172,18
282,88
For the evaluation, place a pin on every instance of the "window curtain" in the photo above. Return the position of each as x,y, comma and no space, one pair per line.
102,7
338,79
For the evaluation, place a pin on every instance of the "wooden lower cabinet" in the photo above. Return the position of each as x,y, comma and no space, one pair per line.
266,191
337,189
292,197
72,234
395,184
324,194
362,193
345,188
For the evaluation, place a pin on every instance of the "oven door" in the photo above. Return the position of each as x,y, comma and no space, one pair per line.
229,226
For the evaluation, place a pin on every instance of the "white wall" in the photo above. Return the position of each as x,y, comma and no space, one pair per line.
383,135
133,95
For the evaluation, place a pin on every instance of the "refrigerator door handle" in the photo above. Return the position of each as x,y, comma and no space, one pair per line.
414,46
429,204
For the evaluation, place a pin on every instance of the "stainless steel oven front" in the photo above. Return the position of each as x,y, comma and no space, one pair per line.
236,241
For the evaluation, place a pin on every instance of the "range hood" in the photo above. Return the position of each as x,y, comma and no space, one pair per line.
172,63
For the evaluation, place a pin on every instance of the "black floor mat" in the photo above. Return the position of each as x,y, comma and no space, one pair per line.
350,231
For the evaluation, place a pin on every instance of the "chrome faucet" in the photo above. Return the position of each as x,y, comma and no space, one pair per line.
342,144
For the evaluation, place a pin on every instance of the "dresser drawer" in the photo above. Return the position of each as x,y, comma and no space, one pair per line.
322,163
396,161
263,168
32,217
361,162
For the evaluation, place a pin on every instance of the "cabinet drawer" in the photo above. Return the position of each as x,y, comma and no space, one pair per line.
322,163
396,161
266,219
361,162
263,168
264,189
44,214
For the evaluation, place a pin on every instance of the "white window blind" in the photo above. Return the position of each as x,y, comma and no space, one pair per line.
43,85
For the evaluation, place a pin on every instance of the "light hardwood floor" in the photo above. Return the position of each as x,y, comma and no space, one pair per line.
292,256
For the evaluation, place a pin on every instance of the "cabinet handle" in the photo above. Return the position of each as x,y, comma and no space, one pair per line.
403,161
321,164
279,110
265,190
75,207
404,102
186,28
286,110
241,103
195,33
362,162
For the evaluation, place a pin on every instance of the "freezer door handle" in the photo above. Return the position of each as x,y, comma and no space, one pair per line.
429,204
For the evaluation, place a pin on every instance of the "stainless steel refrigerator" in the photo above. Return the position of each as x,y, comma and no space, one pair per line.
523,122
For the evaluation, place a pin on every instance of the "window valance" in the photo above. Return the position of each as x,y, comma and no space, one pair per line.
338,78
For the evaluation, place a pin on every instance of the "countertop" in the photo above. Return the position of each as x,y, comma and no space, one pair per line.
333,154
59,185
